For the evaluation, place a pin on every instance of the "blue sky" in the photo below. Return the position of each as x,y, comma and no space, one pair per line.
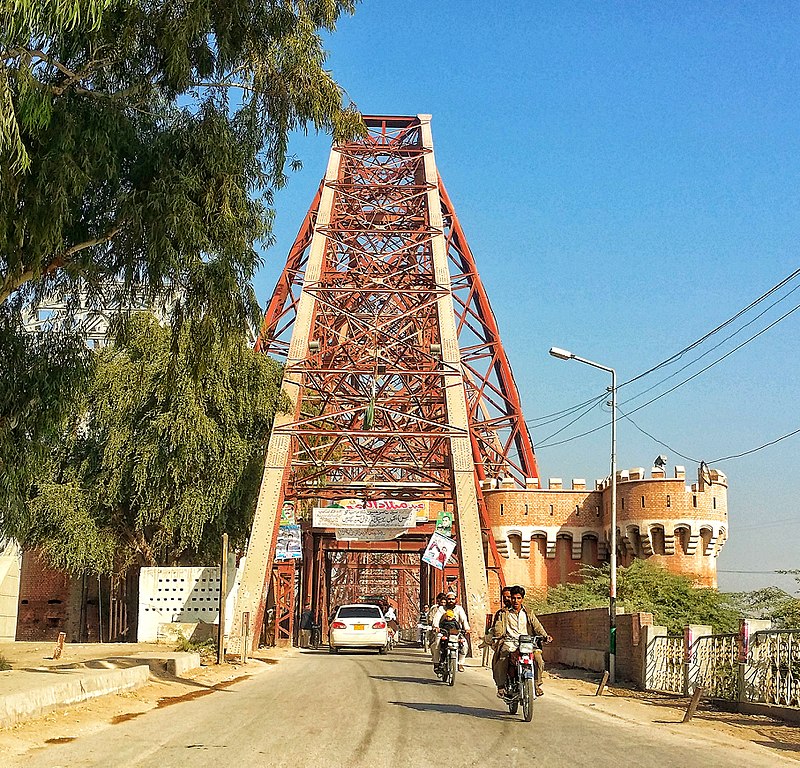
628,177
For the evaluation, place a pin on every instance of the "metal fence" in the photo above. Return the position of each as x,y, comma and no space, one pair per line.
665,664
764,669
714,666
772,672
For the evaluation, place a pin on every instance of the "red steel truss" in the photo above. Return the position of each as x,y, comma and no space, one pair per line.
393,360
372,422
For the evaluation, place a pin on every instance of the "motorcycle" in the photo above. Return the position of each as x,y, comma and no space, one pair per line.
449,645
423,630
519,684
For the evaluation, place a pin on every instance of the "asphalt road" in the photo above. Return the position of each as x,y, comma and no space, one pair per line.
362,710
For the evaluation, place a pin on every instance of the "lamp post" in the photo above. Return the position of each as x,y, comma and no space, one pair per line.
562,354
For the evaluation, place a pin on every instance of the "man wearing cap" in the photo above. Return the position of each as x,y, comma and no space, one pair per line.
460,616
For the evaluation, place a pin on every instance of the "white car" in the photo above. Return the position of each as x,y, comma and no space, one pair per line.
359,626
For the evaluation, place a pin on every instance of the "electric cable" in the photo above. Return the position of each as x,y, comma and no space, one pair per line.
699,341
572,409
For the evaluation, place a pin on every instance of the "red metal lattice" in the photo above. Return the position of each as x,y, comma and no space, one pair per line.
372,421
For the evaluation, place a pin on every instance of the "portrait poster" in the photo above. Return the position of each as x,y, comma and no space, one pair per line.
439,550
289,545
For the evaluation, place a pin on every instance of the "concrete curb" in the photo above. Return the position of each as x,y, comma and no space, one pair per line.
180,665
39,700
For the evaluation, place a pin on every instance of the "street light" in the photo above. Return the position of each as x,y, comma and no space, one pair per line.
562,354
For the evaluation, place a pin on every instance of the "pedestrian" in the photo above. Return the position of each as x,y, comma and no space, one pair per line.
306,625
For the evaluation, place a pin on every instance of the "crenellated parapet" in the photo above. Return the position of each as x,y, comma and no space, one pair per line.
547,534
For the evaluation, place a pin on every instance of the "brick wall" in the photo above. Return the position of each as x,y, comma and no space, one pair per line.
44,600
631,646
580,639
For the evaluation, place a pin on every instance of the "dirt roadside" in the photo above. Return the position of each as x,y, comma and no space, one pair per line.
667,711
93,715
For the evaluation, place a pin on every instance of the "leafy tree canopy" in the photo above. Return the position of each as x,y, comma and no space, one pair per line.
672,598
41,378
160,460
140,141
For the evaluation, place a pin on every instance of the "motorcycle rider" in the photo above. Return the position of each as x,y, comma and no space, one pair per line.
431,639
509,624
460,617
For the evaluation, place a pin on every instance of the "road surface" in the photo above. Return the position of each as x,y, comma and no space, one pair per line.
362,710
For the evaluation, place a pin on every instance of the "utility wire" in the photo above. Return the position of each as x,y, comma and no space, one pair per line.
569,411
542,421
594,404
716,346
699,341
711,461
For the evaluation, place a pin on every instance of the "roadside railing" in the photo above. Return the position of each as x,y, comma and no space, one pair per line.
714,666
772,672
756,666
664,666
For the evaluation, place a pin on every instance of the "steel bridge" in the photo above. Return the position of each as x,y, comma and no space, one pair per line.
399,385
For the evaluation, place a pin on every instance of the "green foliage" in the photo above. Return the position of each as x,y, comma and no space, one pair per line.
771,603
140,145
166,457
141,141
41,376
5,664
206,648
673,599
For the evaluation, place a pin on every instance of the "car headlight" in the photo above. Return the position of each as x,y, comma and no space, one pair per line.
526,647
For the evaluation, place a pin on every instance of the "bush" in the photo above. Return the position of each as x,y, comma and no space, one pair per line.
673,599
206,648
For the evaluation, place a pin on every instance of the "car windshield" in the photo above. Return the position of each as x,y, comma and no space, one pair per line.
359,611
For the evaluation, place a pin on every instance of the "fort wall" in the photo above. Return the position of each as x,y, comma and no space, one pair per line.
545,536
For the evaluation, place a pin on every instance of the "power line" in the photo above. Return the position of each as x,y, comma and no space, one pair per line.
655,439
594,404
718,360
760,447
699,341
716,346
710,461
572,409
551,417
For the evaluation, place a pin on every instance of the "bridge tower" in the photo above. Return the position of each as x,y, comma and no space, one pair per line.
397,378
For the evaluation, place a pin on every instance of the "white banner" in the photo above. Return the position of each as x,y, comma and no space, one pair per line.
372,514
368,534
439,550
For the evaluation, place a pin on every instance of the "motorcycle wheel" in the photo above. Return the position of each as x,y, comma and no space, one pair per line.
527,699
451,669
513,706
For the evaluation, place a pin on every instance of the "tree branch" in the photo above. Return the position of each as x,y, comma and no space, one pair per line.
10,283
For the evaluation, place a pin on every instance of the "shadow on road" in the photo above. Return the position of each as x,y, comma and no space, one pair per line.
393,679
457,709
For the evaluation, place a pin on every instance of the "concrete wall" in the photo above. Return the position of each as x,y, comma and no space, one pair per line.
10,566
183,595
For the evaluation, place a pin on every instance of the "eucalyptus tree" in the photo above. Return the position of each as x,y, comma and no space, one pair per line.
160,459
140,144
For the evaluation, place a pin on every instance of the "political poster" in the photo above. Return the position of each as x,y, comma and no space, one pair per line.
439,550
444,523
289,545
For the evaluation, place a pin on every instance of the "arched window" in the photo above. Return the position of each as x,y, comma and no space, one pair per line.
657,537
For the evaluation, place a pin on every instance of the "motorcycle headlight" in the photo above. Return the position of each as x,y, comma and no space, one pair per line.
526,647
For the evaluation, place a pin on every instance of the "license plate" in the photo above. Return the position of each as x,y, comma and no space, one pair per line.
359,626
